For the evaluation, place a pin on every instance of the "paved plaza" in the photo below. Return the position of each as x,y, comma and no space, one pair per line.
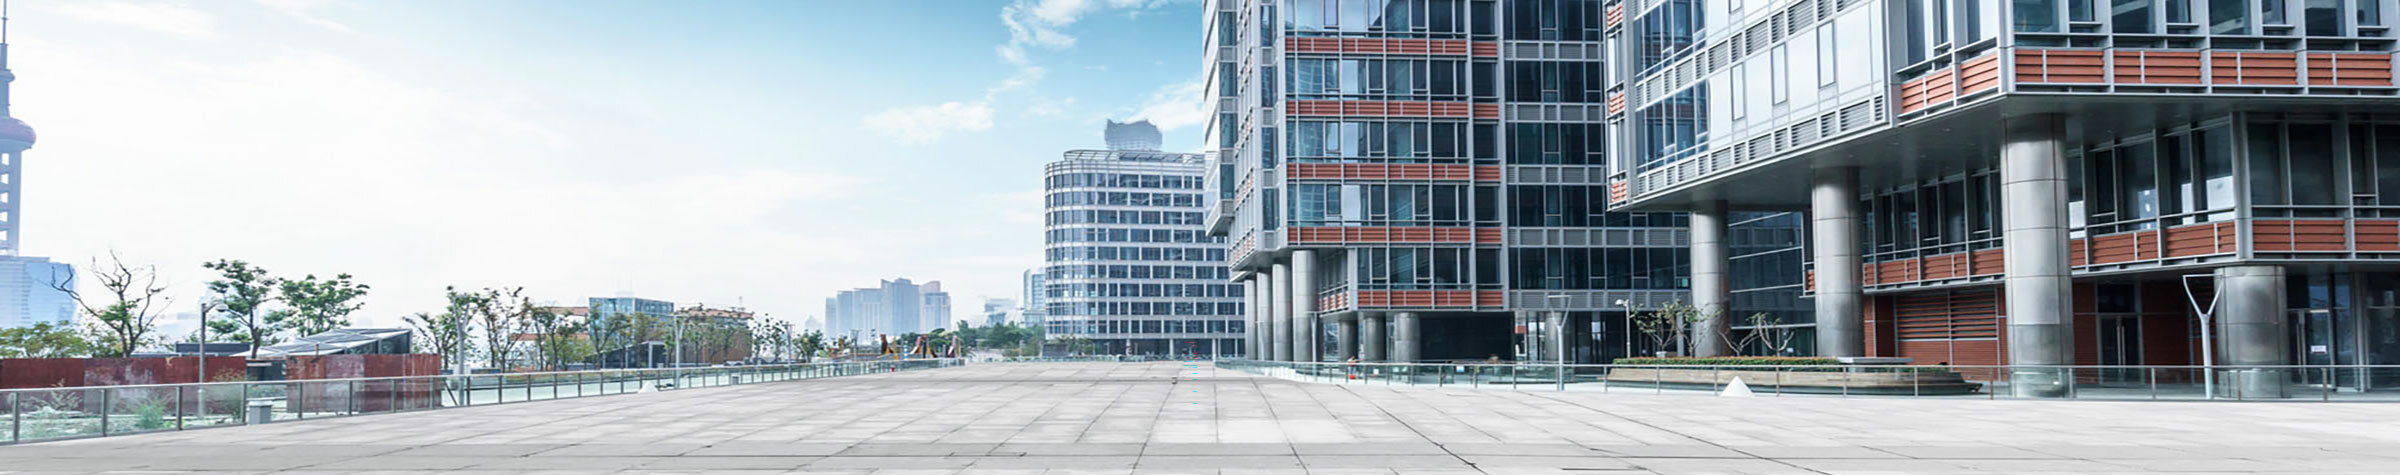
1177,418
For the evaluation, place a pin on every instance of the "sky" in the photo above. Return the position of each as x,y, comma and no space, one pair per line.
755,153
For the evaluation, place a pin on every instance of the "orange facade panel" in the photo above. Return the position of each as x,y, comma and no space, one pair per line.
1988,262
1616,103
2124,247
1618,191
1333,302
1378,108
1377,171
1421,298
1486,49
2348,69
1487,173
2061,66
1377,46
2270,69
2299,235
1934,88
1979,74
2377,234
2157,67
2201,239
1614,17
1366,235
1487,111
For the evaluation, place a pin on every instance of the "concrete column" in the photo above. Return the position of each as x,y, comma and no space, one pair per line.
1370,335
2033,215
1404,338
1306,332
2250,331
1250,328
1710,289
1833,240
1281,308
1346,338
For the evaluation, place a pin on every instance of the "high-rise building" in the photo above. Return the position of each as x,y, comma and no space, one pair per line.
2036,182
894,307
934,311
1129,266
30,287
29,292
1138,135
1427,180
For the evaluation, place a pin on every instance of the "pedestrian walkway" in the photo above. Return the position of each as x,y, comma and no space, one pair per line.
1190,418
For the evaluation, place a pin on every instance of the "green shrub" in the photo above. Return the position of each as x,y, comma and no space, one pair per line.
153,415
1732,361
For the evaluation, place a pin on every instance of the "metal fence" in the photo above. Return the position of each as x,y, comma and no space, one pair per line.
98,411
2321,383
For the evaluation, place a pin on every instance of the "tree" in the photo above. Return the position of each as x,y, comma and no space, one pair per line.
556,337
501,314
43,340
315,306
811,343
1664,323
1775,339
123,322
447,332
242,292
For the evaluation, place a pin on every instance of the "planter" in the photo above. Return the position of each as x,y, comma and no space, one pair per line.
1919,380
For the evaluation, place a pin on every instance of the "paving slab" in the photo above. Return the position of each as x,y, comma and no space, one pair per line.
1175,418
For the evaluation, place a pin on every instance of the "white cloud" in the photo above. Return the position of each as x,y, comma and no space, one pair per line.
305,11
1042,23
316,163
1176,106
920,124
170,18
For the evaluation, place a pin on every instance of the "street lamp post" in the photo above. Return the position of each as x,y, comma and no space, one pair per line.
2208,330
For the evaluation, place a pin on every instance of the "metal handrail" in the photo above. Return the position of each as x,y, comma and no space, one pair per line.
2098,382
74,416
443,376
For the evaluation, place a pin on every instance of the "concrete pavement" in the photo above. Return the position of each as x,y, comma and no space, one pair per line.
1189,418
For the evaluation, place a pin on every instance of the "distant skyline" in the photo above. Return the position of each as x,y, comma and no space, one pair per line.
761,152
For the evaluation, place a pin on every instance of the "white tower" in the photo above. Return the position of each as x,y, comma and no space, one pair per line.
15,137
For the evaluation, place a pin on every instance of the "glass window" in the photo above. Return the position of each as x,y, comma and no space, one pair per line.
2130,16
2229,17
1825,56
2387,163
2313,166
1779,70
2214,145
2266,165
2040,16
2324,18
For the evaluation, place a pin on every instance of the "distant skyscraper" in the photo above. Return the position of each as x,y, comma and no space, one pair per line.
1130,266
934,311
1137,136
27,295
894,307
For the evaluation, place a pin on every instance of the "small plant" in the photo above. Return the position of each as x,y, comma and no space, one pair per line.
150,416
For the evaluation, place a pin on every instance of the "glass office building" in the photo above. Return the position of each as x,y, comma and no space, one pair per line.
1422,180
1128,268
2040,182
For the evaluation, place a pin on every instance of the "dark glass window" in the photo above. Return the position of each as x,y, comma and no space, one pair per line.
2229,17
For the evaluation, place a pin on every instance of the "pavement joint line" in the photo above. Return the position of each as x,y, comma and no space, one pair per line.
1663,429
1413,430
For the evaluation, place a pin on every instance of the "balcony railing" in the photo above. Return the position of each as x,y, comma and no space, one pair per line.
2318,383
41,414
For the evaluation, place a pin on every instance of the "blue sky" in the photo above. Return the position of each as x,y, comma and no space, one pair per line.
766,153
